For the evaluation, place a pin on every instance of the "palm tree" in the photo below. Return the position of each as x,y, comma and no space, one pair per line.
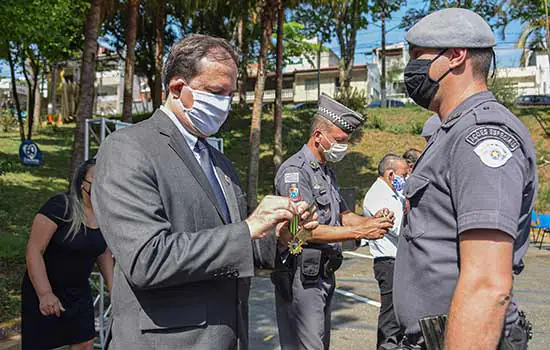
130,58
87,79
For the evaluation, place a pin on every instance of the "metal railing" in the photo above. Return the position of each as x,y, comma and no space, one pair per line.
102,309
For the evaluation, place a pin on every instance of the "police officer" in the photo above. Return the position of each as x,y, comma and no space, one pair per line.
304,284
470,195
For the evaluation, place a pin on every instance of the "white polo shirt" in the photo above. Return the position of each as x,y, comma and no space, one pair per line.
381,196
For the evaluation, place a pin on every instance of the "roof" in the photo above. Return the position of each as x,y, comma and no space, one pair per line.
311,70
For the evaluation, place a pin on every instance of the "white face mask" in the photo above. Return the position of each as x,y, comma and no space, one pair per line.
336,152
209,111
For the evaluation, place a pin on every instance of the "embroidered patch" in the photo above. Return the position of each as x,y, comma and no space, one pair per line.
492,132
294,193
493,153
292,178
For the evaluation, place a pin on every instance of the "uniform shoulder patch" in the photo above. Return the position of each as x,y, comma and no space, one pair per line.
291,178
493,153
489,132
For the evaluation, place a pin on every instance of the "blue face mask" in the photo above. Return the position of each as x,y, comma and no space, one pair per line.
398,183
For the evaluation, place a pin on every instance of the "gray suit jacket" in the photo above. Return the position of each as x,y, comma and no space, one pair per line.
182,275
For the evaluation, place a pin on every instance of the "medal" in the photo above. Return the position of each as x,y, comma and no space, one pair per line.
299,235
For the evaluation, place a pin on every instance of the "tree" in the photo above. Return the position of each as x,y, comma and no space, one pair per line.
115,30
87,79
535,34
381,11
129,62
267,17
278,111
160,30
37,33
317,23
349,16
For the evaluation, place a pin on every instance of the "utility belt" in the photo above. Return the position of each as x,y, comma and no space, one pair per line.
433,333
312,263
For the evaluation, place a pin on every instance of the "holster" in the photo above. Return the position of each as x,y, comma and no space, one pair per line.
433,331
519,336
331,264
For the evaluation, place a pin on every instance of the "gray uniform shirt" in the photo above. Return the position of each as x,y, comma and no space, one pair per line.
477,172
315,183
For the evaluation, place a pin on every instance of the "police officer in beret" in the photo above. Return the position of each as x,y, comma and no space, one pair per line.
470,195
304,283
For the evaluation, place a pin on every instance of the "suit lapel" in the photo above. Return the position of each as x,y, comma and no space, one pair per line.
229,191
179,145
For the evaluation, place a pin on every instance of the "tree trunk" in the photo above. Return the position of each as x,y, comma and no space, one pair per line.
53,88
15,95
31,96
546,31
87,79
160,24
347,41
255,127
129,63
319,51
38,103
243,66
278,117
383,75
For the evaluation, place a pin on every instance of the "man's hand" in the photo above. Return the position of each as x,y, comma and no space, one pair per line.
271,211
374,229
308,221
385,213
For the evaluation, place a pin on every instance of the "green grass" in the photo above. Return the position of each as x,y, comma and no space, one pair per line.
24,190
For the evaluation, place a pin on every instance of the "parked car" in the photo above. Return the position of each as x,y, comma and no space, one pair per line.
533,100
389,104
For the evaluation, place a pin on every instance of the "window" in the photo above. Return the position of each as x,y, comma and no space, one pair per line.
311,84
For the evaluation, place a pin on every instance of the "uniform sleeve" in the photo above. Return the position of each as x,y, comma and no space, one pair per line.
56,209
486,181
291,178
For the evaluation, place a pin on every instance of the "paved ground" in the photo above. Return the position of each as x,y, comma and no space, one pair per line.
354,317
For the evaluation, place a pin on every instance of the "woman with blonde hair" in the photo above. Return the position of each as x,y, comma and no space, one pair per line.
64,243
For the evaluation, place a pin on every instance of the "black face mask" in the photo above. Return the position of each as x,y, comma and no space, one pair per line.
420,87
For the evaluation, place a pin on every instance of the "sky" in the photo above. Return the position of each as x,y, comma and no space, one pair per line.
370,38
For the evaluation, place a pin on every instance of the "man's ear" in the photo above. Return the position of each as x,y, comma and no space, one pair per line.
317,135
458,56
175,87
391,175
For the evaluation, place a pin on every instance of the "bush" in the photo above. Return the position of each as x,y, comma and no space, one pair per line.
355,99
8,121
376,122
416,127
504,91
397,129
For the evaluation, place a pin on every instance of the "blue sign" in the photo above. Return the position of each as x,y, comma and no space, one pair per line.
30,154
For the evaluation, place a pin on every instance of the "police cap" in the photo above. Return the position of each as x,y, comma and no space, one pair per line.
451,28
340,115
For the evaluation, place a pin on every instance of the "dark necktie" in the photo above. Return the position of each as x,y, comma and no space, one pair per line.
202,149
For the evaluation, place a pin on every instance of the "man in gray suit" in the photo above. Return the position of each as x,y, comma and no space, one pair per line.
173,213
